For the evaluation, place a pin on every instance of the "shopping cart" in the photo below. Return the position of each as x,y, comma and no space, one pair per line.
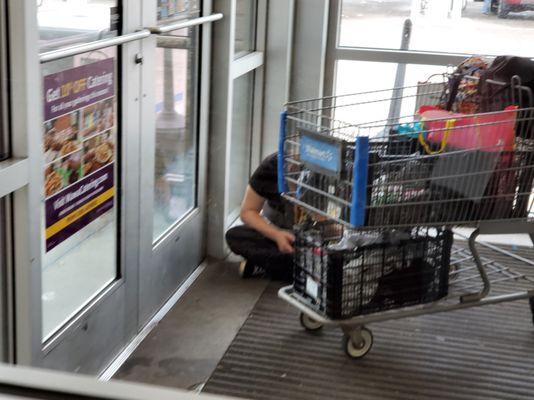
395,187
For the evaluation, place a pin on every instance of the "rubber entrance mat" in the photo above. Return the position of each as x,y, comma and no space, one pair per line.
478,353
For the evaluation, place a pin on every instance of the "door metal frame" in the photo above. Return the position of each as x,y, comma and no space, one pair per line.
107,311
26,126
7,332
4,79
181,249
8,185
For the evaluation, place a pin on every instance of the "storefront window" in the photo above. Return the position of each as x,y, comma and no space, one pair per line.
68,22
458,26
245,27
80,183
175,184
373,77
241,140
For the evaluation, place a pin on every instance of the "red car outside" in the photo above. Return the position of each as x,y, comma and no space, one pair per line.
504,7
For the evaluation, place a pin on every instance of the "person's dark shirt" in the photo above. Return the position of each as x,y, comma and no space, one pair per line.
264,181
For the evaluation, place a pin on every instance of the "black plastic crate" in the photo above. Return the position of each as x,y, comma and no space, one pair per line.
387,270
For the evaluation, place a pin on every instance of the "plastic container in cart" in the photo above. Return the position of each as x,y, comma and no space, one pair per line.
343,274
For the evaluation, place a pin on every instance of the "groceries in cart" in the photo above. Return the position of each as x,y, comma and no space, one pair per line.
462,92
437,165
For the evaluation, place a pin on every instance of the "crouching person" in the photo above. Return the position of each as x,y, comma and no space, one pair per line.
265,240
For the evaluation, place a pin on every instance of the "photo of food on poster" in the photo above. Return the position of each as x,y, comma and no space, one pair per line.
97,152
97,118
79,148
61,136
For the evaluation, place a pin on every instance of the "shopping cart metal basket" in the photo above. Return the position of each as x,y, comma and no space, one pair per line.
429,170
431,167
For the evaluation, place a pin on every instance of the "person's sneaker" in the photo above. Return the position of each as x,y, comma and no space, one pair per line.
249,270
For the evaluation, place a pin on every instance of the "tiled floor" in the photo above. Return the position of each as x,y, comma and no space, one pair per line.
184,349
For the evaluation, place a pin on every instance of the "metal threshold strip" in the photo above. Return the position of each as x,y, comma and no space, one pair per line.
25,383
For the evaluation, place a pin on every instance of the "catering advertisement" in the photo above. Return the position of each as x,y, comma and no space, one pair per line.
79,148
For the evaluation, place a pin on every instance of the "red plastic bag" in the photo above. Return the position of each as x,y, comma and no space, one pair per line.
492,132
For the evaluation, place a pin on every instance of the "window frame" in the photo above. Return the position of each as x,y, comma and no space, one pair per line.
229,68
254,24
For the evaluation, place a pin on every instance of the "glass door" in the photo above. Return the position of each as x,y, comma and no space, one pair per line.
80,138
108,184
82,175
176,144
172,155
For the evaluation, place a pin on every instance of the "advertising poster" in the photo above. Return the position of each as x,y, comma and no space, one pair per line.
79,148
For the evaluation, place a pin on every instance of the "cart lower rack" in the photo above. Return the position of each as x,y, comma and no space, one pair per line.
464,282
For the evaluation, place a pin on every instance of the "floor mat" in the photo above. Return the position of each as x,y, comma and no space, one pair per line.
477,353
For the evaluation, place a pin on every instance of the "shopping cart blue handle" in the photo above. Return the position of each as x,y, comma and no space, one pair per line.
359,183
281,140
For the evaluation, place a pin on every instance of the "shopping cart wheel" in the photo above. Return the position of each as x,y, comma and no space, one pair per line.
531,301
358,351
309,323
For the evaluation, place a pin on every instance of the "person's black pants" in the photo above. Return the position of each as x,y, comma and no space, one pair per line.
260,251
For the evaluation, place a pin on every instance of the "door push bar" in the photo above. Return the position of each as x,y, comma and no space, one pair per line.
122,39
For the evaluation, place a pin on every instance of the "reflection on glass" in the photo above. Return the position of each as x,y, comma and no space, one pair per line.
438,25
80,177
174,8
241,140
176,139
245,27
67,22
359,76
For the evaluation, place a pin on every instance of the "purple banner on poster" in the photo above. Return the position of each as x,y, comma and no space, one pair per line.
78,87
78,205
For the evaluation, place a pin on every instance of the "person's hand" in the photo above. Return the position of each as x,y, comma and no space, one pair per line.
284,240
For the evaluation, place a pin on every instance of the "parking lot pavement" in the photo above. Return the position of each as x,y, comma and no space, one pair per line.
378,23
